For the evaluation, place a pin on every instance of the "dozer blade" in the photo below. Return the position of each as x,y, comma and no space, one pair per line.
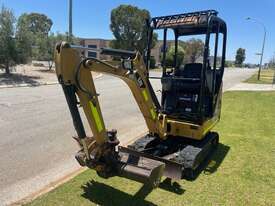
140,169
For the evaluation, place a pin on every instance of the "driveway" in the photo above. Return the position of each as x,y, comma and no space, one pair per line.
36,146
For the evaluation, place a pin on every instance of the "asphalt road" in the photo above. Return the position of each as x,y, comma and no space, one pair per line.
36,147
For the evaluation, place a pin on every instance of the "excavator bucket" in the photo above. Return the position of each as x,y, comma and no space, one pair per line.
140,169
157,165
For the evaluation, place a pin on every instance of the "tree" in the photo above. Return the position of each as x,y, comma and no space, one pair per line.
38,23
152,62
7,42
47,46
24,40
229,63
59,37
240,57
272,62
45,49
170,56
193,50
128,24
32,35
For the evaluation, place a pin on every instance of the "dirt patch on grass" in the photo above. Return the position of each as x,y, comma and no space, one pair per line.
30,75
14,79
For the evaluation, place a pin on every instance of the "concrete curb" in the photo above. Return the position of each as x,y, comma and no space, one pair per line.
27,85
36,84
49,187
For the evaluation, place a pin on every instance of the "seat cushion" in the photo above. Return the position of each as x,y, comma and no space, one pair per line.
192,70
182,95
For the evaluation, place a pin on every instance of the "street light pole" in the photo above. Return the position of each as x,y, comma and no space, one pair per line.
262,53
261,61
70,21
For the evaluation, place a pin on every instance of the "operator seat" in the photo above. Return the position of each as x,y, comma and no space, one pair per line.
182,95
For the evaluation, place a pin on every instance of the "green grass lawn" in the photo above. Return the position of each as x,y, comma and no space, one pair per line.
265,78
240,172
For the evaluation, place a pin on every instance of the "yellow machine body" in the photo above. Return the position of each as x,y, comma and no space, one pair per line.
174,143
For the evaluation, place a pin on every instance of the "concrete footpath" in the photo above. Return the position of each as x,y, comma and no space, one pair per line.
252,87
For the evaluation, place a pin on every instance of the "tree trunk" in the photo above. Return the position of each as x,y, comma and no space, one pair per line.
50,65
7,67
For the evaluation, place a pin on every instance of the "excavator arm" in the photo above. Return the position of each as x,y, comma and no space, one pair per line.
99,152
134,74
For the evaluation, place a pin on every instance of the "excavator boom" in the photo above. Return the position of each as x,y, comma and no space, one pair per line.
99,152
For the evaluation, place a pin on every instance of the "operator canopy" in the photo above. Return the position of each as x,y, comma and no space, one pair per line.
190,23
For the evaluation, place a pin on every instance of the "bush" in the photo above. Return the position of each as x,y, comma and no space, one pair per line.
170,56
229,64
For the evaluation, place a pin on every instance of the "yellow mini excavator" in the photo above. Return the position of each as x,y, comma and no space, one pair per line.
179,134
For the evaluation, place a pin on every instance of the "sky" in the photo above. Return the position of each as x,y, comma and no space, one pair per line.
91,18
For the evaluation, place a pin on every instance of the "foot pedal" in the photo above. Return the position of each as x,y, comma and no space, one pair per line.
141,169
